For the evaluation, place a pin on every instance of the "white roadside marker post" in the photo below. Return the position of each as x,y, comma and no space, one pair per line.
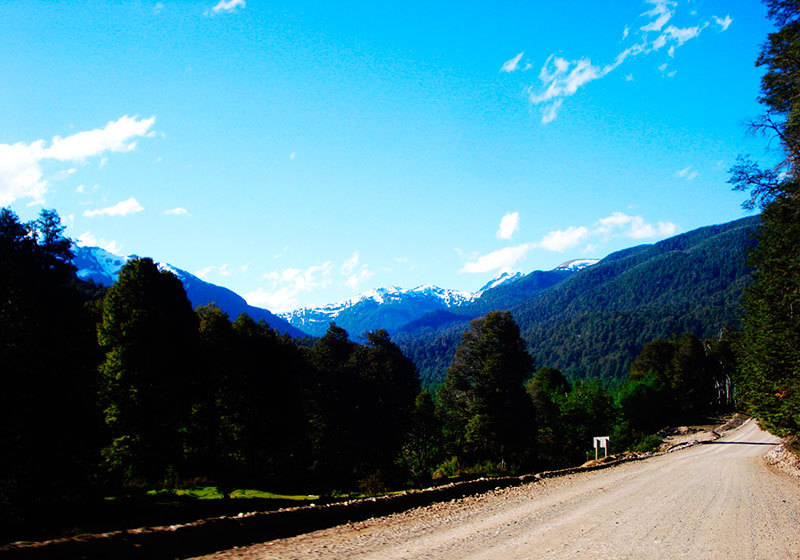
601,441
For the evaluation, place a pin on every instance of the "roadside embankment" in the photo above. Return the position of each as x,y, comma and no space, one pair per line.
208,535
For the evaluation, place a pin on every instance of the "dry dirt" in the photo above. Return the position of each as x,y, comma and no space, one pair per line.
712,501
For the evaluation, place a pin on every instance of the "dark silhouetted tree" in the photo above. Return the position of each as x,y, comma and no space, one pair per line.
149,334
489,416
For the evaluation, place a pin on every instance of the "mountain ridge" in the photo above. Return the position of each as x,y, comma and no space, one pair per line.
101,266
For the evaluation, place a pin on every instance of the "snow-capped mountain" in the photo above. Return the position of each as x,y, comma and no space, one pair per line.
388,307
103,267
392,308
504,278
577,264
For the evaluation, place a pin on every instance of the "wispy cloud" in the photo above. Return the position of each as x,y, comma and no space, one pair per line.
512,64
687,173
560,78
502,260
21,174
561,240
177,212
723,23
87,239
158,8
589,237
633,227
356,275
509,225
287,284
124,208
224,270
662,12
350,264
227,6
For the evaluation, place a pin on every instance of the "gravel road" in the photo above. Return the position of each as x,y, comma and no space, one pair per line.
712,501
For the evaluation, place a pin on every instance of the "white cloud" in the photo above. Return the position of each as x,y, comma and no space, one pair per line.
616,225
560,78
87,239
723,23
355,280
158,8
502,260
21,174
177,212
551,111
278,301
634,227
563,77
350,264
678,35
662,11
287,284
116,136
512,64
561,240
355,275
228,6
130,206
509,224
629,77
291,156
281,253
687,173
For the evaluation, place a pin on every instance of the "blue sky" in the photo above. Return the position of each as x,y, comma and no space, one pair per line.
303,152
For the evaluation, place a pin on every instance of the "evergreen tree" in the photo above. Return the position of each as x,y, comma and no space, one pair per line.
547,389
768,383
387,386
49,425
333,410
148,332
489,417
423,445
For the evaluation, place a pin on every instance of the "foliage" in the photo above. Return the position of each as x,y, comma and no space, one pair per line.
423,446
768,382
148,333
129,389
488,417
48,422
596,321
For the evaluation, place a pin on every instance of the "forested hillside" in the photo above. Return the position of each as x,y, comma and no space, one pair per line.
117,392
594,323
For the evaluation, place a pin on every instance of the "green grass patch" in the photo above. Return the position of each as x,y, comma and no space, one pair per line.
212,493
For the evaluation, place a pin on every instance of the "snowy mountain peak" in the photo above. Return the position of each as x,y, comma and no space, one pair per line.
577,264
98,264
504,278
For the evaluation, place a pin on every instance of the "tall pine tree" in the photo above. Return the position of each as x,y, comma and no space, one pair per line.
768,382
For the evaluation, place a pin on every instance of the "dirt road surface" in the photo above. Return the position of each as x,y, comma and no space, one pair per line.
712,501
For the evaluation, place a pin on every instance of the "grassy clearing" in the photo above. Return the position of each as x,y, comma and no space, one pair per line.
212,493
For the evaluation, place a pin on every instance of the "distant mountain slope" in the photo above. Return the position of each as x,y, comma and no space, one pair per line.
103,267
595,322
383,308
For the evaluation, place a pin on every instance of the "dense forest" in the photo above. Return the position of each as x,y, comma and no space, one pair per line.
113,392
593,324
768,382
